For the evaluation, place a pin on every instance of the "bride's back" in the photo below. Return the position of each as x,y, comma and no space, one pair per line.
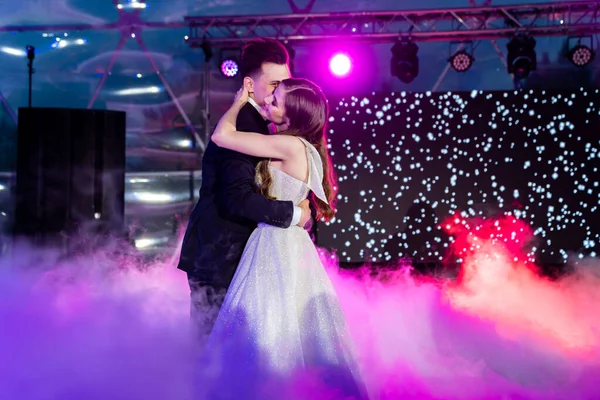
296,167
290,178
287,187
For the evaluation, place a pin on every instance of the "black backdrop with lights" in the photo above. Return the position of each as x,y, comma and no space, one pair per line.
407,161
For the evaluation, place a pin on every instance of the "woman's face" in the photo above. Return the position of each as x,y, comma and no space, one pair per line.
275,106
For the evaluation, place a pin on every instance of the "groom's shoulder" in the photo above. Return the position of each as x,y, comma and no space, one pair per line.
249,118
248,109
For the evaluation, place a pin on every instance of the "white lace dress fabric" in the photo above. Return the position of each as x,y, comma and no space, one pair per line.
281,318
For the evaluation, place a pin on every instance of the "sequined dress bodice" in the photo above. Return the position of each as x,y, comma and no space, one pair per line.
286,187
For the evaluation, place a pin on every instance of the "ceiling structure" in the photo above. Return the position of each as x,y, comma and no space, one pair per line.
453,24
476,22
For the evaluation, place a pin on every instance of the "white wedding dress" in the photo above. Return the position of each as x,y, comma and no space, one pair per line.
280,329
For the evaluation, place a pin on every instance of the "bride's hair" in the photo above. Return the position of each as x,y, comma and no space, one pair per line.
307,111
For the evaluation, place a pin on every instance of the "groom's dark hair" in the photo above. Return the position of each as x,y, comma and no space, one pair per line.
260,51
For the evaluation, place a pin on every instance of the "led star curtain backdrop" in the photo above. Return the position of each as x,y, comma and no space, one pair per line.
407,162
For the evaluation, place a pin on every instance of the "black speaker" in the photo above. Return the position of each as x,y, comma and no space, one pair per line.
70,173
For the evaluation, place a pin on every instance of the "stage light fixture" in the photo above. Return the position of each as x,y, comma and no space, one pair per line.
229,68
581,55
521,57
461,61
340,64
405,62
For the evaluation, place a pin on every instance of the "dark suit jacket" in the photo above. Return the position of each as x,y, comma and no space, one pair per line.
228,210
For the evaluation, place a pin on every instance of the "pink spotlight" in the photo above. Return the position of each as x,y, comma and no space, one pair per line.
340,64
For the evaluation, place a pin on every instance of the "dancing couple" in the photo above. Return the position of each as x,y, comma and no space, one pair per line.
260,296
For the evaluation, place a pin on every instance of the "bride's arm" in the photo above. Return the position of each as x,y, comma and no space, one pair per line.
265,146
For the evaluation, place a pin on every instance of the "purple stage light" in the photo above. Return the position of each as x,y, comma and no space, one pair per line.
340,64
229,68
581,55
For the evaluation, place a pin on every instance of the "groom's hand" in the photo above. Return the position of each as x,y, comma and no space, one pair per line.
304,205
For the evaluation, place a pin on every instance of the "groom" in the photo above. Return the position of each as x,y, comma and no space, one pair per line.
230,206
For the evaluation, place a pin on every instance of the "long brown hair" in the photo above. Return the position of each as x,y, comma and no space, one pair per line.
307,111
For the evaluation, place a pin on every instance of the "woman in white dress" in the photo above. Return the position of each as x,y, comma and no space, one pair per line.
281,333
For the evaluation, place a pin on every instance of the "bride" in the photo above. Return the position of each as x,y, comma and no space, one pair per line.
280,329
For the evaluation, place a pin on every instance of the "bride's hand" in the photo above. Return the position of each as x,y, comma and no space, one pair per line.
241,97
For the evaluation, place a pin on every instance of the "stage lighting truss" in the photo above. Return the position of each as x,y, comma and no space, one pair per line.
580,54
462,59
574,18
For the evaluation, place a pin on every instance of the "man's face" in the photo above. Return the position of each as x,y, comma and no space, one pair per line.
265,84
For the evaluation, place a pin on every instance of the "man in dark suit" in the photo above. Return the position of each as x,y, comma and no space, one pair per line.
230,207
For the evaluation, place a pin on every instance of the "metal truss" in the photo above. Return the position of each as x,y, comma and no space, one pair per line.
455,24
